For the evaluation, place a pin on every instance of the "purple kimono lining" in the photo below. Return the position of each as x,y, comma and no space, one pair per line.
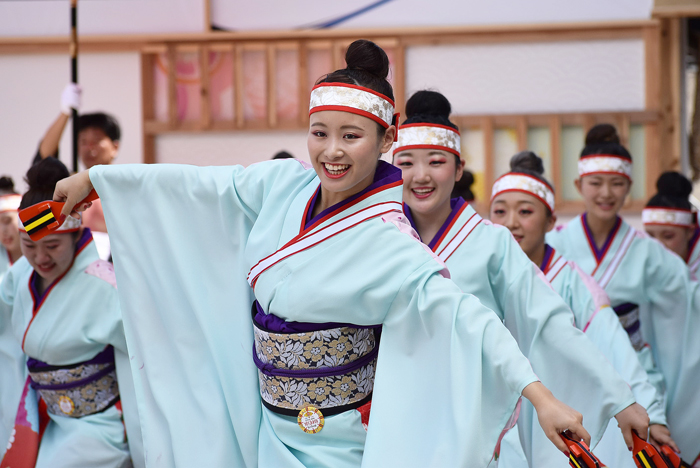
455,205
611,235
385,174
104,357
548,251
275,324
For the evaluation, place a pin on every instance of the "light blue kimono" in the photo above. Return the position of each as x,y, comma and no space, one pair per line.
75,319
12,368
484,260
591,307
635,269
184,239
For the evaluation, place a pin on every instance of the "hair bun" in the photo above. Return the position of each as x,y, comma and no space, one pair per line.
42,176
368,56
7,184
602,133
428,102
673,184
527,161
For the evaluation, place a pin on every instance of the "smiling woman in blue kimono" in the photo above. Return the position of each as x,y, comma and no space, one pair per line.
12,368
61,303
648,286
523,201
331,271
484,260
669,218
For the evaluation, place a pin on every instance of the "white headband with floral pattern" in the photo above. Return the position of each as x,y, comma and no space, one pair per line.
428,136
354,99
604,164
516,182
668,216
10,202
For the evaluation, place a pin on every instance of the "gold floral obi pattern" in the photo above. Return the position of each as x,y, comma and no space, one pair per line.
330,368
77,390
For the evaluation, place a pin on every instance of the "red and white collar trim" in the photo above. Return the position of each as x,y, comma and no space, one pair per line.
668,217
516,182
69,225
428,136
9,202
604,164
354,99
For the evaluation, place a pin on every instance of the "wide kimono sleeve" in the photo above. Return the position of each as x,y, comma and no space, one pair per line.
543,326
601,325
177,235
449,378
12,360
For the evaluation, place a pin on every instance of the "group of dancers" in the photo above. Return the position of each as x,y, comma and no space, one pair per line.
348,312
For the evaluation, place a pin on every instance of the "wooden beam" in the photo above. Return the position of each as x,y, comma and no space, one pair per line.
304,90
207,16
555,152
652,66
238,85
271,89
147,106
521,132
172,87
205,104
400,78
489,153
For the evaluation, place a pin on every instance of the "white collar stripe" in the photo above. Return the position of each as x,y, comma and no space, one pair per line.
515,182
667,217
457,240
558,265
312,238
353,99
428,136
604,164
10,202
621,251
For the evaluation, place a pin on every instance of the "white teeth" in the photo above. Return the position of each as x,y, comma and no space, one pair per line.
336,168
422,191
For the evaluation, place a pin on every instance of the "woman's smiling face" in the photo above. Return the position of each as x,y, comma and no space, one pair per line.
603,194
344,149
429,175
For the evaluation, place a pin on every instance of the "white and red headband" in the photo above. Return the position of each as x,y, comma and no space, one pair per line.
69,225
604,164
9,202
663,216
517,182
354,99
428,136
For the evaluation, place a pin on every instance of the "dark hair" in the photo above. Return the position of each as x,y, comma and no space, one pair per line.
7,186
672,191
105,122
428,106
463,187
602,133
614,149
367,66
42,178
283,155
528,163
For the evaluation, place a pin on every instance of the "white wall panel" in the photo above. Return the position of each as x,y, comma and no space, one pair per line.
285,14
30,90
52,17
532,77
218,149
